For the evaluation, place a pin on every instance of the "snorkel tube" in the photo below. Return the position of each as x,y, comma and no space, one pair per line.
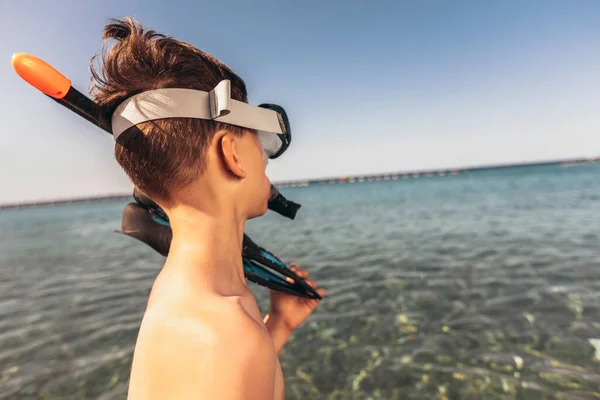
55,85
144,219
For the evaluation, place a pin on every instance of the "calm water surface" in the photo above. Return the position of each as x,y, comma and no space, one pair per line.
477,286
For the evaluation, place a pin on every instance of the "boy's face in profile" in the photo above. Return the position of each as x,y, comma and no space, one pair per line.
256,184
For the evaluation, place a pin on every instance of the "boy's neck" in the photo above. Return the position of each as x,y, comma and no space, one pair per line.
208,249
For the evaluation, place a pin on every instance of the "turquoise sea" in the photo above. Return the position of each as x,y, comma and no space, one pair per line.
483,285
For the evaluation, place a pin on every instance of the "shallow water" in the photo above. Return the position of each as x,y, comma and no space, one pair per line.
477,286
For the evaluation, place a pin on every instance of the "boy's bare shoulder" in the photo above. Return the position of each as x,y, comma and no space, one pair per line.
212,350
216,323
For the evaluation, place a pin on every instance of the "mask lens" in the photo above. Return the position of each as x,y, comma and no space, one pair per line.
285,138
270,143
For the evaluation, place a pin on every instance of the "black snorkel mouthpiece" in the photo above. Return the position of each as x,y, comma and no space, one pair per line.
281,205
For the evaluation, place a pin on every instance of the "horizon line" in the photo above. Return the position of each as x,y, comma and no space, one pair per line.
339,178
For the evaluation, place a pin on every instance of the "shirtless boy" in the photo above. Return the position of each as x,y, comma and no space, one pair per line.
202,335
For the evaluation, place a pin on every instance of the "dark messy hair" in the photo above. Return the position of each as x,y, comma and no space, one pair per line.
164,155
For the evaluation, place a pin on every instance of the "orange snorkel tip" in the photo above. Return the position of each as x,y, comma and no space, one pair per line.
41,75
55,85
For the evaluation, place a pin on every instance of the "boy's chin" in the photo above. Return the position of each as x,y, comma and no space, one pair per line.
260,213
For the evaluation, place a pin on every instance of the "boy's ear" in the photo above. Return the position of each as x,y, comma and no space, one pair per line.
229,147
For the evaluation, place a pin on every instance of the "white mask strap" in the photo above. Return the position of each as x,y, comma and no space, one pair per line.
215,105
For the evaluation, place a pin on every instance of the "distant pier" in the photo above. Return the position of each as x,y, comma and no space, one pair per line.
350,179
367,178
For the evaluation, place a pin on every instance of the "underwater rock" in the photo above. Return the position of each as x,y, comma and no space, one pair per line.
503,362
472,322
584,329
425,355
513,302
577,395
569,348
534,391
591,311
569,379
475,295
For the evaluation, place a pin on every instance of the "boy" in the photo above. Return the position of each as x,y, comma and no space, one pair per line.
202,335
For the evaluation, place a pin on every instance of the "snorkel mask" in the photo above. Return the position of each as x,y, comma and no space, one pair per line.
144,219
270,121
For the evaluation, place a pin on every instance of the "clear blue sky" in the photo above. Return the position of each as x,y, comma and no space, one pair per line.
370,86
